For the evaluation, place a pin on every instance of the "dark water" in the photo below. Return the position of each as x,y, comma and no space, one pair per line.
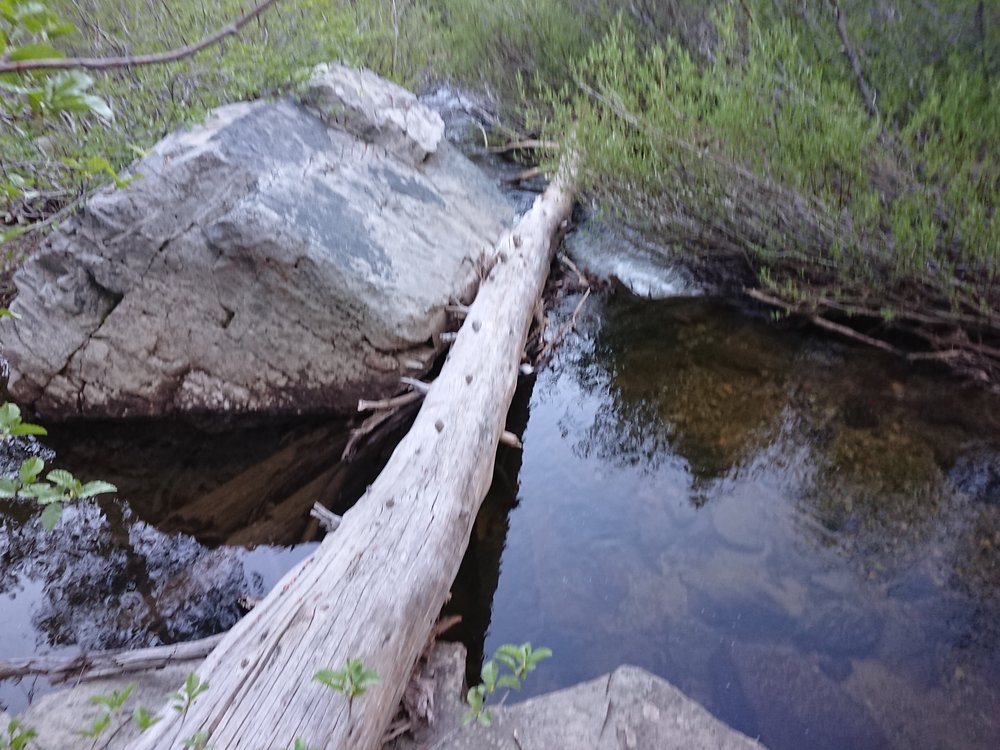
803,536
202,519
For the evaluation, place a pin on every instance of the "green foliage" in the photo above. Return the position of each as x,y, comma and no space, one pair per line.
110,707
352,680
16,737
182,699
520,660
197,741
763,151
62,487
11,424
498,43
27,30
143,719
64,157
97,166
113,702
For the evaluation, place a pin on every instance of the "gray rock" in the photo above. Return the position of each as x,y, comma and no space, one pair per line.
375,110
59,717
629,708
267,261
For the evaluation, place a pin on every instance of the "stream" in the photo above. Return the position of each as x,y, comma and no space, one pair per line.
802,535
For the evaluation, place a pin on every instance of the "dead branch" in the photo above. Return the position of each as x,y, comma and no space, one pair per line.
524,145
510,439
128,61
523,175
417,385
563,330
580,278
329,520
867,97
108,663
390,403
822,322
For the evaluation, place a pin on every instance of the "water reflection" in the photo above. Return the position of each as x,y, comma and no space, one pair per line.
799,534
202,519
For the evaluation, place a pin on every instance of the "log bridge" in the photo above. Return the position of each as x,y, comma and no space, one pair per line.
374,588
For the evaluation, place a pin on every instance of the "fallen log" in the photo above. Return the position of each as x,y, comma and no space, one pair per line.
374,588
107,663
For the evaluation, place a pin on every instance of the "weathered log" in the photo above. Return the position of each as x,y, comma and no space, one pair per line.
373,590
107,663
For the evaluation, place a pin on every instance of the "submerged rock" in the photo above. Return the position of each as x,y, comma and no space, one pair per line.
276,259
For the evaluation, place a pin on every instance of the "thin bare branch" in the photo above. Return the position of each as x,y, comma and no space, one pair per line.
128,61
867,96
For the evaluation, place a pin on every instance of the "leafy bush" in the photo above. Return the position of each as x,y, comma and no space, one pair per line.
762,154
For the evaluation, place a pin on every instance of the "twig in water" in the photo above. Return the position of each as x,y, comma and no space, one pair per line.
564,329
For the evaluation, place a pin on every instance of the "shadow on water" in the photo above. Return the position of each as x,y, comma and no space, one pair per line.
802,535
202,519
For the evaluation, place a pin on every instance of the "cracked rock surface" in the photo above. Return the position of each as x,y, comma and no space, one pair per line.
279,258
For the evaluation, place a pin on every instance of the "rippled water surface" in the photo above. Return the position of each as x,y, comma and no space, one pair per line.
801,535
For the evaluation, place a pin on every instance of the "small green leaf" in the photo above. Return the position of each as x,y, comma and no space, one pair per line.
30,469
143,719
27,428
61,28
506,659
51,515
538,654
100,724
9,488
13,88
489,674
90,489
61,478
98,106
335,679
43,492
10,414
197,741
369,677
509,681
18,738
35,51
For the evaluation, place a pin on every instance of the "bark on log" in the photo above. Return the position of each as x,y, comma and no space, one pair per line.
375,587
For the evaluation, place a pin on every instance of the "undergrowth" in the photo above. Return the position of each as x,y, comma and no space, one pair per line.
762,152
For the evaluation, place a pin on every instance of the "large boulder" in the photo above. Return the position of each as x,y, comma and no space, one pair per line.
281,257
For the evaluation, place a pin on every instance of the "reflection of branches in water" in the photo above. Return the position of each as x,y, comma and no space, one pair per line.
683,378
112,583
858,450
624,433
